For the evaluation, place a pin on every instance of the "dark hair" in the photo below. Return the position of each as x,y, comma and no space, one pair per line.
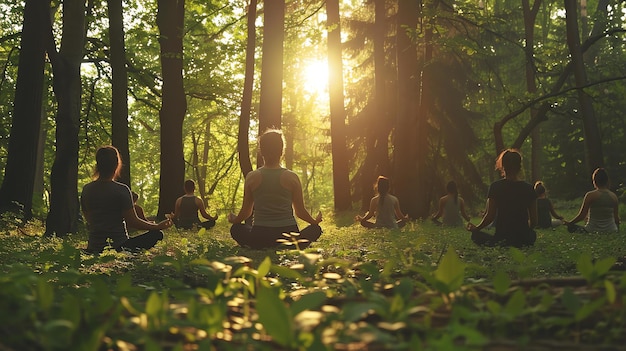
540,189
509,162
382,186
108,163
452,189
189,186
271,144
600,177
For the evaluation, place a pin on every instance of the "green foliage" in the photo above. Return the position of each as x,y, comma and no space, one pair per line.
421,288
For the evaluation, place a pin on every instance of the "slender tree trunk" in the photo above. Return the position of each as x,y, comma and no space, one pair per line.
530,16
593,142
119,87
64,208
270,104
408,94
16,192
341,176
243,143
170,20
381,121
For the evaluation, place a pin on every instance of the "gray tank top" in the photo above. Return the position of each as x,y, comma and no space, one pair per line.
272,202
601,215
451,213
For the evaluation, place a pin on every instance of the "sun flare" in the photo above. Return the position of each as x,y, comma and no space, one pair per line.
316,77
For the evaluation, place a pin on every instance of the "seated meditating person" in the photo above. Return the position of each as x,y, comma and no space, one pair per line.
186,209
545,209
451,208
108,208
599,207
513,201
384,207
273,193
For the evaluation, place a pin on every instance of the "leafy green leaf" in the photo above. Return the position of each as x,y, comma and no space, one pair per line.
604,265
585,266
451,271
570,300
501,282
610,291
308,302
275,316
264,267
515,306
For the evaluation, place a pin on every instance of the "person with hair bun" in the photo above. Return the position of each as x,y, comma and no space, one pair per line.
451,207
599,207
108,207
273,194
511,204
385,207
545,209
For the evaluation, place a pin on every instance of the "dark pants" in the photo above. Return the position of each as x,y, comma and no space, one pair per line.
367,224
189,224
143,241
485,239
258,237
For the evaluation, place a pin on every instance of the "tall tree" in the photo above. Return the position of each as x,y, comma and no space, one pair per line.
243,143
270,105
530,15
119,86
405,153
341,176
19,173
170,20
593,142
64,209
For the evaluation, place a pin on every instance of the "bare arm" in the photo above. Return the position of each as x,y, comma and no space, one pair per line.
130,216
297,199
584,210
252,181
462,208
399,214
489,216
553,211
202,209
439,213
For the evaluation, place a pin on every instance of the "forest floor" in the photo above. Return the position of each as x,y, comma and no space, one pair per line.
422,287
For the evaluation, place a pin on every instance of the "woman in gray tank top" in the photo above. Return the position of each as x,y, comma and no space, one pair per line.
274,195
600,207
384,207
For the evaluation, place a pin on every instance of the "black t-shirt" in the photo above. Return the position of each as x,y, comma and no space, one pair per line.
544,217
512,200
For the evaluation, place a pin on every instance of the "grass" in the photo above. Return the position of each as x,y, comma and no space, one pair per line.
420,287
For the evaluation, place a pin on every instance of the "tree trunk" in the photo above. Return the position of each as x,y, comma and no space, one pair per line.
19,174
530,15
341,176
381,120
64,207
593,142
243,142
119,87
170,20
408,92
270,104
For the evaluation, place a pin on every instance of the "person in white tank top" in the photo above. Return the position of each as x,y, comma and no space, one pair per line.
384,207
599,207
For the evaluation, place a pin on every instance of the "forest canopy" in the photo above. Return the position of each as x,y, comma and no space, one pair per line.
420,91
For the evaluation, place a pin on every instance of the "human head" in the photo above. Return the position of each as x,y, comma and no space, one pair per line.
600,178
509,162
108,163
271,145
382,185
540,189
190,186
452,188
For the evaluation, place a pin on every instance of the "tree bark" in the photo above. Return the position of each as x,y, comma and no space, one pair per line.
64,207
119,87
170,20
243,141
530,16
16,192
270,104
341,176
593,142
408,94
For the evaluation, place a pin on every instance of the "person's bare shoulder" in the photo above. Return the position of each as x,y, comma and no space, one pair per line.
253,179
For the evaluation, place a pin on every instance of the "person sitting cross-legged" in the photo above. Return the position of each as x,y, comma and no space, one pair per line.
186,209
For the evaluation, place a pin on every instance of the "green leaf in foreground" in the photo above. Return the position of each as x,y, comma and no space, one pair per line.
274,315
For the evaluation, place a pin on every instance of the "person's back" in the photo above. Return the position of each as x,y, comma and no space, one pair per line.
385,213
601,214
513,199
105,201
544,218
272,201
188,212
452,213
